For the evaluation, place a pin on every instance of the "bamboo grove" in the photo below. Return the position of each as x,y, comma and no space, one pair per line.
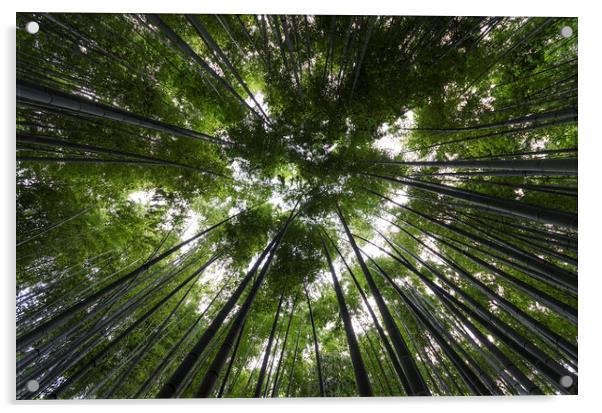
295,206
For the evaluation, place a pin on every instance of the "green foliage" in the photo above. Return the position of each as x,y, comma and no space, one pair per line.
340,94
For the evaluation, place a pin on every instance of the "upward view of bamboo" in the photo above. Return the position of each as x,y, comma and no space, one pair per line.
387,206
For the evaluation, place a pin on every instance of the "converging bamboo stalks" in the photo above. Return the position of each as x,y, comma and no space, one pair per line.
273,206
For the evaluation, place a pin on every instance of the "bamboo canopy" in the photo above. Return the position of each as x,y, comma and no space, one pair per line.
295,206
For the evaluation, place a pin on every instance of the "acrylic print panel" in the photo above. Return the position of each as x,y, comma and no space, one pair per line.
295,206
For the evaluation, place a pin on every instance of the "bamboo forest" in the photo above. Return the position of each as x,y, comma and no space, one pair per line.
273,206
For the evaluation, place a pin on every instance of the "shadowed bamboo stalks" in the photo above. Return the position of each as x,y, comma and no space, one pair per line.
56,99
316,347
417,386
447,169
264,363
211,375
61,318
517,208
361,376
60,143
542,166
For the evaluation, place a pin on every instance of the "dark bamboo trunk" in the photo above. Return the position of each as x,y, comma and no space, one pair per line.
529,386
292,371
211,375
550,115
391,353
268,350
417,386
56,99
172,386
168,357
204,33
220,392
381,368
316,347
282,352
524,318
560,277
67,314
361,375
101,354
362,54
150,342
565,165
137,160
470,378
516,208
188,51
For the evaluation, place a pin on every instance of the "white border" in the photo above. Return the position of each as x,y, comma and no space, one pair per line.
590,201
